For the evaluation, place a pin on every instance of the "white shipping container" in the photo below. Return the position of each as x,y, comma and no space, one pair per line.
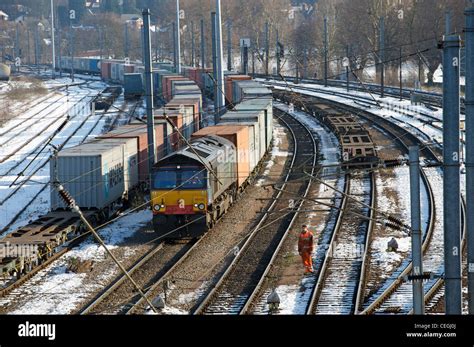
96,174
265,106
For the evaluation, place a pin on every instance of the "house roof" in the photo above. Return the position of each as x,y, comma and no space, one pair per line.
3,14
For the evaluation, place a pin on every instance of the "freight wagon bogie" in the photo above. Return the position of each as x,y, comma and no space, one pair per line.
33,244
356,145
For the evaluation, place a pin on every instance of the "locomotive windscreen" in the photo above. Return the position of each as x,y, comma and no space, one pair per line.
186,178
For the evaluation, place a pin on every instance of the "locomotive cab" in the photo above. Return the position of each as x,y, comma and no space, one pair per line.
187,199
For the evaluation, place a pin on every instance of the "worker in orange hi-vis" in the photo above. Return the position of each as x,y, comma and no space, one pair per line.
305,248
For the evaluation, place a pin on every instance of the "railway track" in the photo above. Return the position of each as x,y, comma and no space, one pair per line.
431,98
395,291
339,282
58,254
240,282
40,115
149,271
39,166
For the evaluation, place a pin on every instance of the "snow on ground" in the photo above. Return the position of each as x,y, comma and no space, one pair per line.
396,109
433,258
295,298
24,136
54,291
279,132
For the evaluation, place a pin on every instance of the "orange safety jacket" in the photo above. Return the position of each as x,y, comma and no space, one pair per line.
305,242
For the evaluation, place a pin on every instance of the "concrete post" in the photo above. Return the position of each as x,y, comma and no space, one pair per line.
451,178
220,68
267,48
469,103
278,53
149,91
177,62
416,242
229,46
325,51
214,65
52,40
193,46
382,56
203,46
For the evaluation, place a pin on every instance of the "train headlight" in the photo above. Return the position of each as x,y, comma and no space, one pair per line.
201,207
157,207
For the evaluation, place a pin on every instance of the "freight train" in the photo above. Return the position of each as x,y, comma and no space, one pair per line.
194,187
107,174
357,147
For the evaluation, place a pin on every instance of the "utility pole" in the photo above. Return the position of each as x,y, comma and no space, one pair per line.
60,41
401,75
149,91
417,258
348,62
72,16
267,48
297,66
193,46
71,45
101,43
220,68
52,40
157,44
469,103
382,56
325,51
175,58
278,52
448,23
28,45
245,58
451,175
126,51
305,63
253,63
177,62
214,64
203,46
17,47
420,71
36,33
229,45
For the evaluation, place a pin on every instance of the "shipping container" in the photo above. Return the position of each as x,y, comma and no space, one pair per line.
157,73
96,174
128,68
140,133
133,85
167,87
105,68
249,89
194,103
229,85
239,136
188,117
265,107
94,65
175,140
254,140
251,117
186,90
